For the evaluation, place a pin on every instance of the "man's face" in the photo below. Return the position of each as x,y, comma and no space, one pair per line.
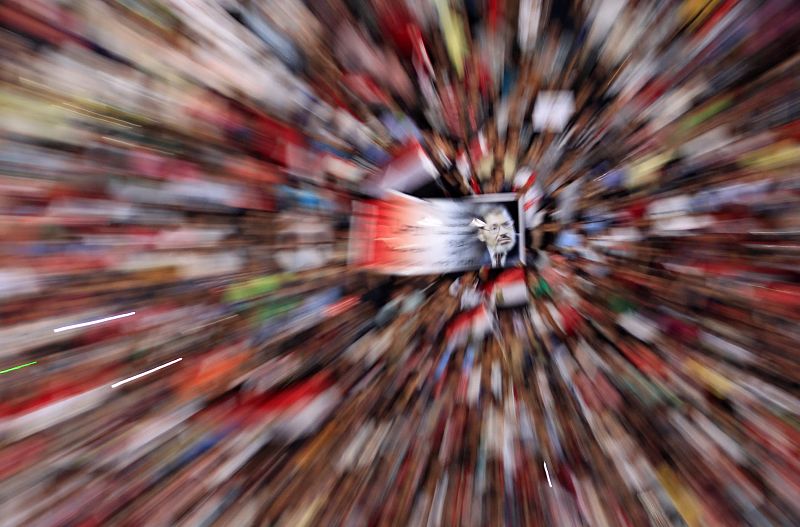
498,233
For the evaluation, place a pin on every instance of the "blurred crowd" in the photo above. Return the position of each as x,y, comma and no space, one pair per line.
176,182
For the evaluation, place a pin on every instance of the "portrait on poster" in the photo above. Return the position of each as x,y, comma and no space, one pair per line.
497,225
407,235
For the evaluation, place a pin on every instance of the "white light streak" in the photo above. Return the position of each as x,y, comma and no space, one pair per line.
129,379
82,324
548,475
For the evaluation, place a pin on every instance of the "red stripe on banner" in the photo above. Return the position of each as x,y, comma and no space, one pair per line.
511,275
475,187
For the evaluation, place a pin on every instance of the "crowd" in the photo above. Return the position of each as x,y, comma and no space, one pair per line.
183,171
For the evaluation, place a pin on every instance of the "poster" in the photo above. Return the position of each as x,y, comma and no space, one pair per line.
409,236
553,110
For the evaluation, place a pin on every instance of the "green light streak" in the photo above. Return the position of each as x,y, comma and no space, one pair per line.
17,367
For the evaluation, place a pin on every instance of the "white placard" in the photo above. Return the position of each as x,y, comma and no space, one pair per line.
552,110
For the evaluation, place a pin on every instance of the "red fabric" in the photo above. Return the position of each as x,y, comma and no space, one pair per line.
570,318
421,57
484,79
637,210
476,150
475,187
648,362
397,23
297,392
726,269
528,183
180,170
714,19
510,276
681,330
529,204
791,130
272,136
465,320
783,294
494,13
30,25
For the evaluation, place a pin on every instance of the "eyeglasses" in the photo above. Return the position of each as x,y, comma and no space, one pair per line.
496,227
